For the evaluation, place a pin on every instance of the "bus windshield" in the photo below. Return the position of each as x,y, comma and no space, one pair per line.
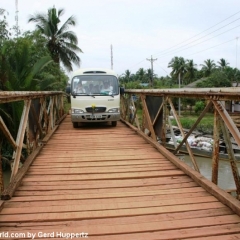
95,85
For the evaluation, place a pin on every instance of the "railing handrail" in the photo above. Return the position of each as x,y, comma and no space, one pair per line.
230,93
42,111
13,96
156,105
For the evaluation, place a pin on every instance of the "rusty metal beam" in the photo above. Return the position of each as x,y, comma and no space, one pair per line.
194,126
232,159
216,139
228,121
216,94
7,134
182,133
158,113
13,96
149,122
20,136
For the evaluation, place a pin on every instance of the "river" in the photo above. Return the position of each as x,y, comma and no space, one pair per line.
225,177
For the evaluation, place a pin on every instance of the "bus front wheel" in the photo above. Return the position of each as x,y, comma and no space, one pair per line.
114,123
75,124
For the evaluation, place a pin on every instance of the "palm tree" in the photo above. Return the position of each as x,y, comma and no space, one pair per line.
3,27
191,71
127,76
178,65
208,67
222,64
61,43
141,76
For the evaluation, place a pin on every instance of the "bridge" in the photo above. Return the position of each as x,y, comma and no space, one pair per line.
119,182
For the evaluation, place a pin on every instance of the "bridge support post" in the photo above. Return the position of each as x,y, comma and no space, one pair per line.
215,160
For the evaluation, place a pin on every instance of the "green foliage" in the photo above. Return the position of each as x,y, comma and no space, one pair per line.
4,33
61,43
216,79
188,103
199,106
187,120
208,67
133,85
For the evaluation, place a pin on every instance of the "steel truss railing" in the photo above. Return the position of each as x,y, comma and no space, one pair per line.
156,104
41,112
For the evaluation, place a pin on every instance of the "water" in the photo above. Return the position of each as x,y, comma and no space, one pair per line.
225,176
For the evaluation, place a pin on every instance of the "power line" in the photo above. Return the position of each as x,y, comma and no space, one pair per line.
162,52
202,32
200,42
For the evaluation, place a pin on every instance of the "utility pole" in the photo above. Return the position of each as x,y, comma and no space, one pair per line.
111,57
16,16
236,52
151,60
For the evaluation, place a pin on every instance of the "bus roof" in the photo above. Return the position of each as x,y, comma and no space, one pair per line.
94,71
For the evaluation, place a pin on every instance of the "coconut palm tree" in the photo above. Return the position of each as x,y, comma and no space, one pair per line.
191,71
61,43
208,67
127,76
178,65
222,63
141,76
4,34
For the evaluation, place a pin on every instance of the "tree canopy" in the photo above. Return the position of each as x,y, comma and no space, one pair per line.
61,43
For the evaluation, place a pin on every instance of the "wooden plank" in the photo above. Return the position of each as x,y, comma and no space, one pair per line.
37,217
105,176
112,192
219,237
1,205
220,194
108,206
119,220
102,164
101,200
41,160
109,195
185,233
92,170
227,231
76,191
113,183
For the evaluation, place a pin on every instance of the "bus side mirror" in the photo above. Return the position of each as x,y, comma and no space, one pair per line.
121,90
68,90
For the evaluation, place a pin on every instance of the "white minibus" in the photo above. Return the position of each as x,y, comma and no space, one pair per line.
95,96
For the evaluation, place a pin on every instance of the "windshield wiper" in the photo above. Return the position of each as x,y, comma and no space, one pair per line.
90,95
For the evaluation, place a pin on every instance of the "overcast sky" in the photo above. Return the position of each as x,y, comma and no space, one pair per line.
139,29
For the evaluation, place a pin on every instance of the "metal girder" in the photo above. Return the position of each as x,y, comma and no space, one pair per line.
20,136
183,135
231,93
14,96
193,127
228,121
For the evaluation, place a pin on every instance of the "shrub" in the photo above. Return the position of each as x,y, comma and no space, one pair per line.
199,106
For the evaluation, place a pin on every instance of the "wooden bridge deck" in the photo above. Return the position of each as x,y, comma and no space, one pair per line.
112,184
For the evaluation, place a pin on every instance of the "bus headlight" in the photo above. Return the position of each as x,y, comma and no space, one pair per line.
113,110
77,111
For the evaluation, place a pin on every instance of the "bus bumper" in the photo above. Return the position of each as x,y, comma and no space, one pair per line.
103,117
